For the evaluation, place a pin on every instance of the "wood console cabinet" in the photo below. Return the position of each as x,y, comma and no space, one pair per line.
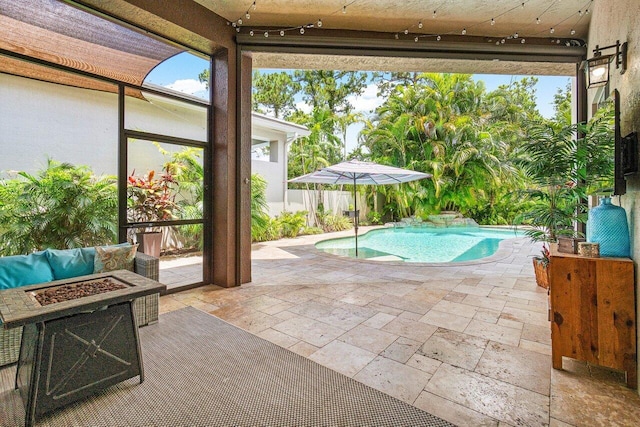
593,311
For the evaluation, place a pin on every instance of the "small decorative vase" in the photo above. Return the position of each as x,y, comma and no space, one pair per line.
607,225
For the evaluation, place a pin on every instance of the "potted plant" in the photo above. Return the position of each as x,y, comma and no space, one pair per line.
563,170
150,199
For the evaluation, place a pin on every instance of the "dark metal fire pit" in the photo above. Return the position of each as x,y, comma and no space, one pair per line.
72,347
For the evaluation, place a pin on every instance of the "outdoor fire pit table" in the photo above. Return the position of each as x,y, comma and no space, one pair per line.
75,341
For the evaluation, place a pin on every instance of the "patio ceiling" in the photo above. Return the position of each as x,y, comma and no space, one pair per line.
498,24
53,31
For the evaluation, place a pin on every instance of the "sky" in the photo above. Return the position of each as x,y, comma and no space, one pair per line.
181,73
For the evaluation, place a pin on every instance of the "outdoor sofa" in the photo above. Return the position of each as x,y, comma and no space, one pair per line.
52,264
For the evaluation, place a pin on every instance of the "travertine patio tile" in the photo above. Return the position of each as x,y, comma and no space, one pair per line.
455,296
454,348
484,302
530,307
424,363
342,357
516,366
402,304
277,308
373,340
298,296
359,297
525,316
535,346
494,332
479,290
168,303
253,321
303,348
592,396
496,399
524,295
401,350
453,412
342,318
463,310
416,331
487,315
426,296
540,334
309,330
501,281
510,324
204,306
450,320
398,380
276,337
378,320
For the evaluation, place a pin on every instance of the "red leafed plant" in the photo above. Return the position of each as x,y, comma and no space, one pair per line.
150,198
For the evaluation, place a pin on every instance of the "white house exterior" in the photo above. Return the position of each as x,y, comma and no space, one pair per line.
270,139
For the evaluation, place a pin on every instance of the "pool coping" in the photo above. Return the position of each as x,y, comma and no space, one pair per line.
505,249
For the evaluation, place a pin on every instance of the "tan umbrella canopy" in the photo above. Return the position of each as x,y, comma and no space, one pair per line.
356,172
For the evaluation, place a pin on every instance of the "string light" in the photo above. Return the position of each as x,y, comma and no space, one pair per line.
282,31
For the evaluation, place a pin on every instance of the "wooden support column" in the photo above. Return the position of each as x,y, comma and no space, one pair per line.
244,155
225,193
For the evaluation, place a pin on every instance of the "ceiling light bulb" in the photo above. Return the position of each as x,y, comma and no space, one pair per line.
302,30
523,5
416,39
344,9
251,33
237,29
248,15
567,44
406,32
396,36
573,31
552,30
233,24
580,13
515,35
319,22
558,41
522,41
434,14
586,12
420,24
438,38
254,5
493,21
502,41
281,33
266,33
464,31
239,21
537,20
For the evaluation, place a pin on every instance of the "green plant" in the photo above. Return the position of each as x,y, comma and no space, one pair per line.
150,198
332,223
562,168
62,206
374,218
261,226
292,223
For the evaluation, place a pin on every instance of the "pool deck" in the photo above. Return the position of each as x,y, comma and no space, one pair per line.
469,342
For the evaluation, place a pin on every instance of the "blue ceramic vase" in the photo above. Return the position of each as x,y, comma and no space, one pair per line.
607,226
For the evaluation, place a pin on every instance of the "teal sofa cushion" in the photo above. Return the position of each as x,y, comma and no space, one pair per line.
66,263
21,270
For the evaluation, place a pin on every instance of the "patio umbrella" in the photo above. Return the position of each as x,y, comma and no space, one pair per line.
356,172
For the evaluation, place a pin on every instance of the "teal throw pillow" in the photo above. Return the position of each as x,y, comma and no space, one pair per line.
21,270
67,263
109,258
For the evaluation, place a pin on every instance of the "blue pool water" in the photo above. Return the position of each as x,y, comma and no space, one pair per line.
455,244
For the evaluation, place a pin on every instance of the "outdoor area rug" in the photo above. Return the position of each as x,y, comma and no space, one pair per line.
202,371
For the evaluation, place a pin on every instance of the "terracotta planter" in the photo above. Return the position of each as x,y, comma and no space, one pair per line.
150,243
542,273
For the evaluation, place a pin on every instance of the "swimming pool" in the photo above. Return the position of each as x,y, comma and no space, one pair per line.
421,244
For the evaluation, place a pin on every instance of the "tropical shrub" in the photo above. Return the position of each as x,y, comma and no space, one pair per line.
374,218
150,198
292,224
261,226
330,223
62,206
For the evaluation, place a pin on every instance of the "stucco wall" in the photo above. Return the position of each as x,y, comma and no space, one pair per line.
613,21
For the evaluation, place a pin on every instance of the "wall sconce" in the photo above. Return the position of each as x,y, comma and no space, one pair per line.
598,66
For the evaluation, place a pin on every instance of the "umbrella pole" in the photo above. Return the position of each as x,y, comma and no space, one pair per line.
355,213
